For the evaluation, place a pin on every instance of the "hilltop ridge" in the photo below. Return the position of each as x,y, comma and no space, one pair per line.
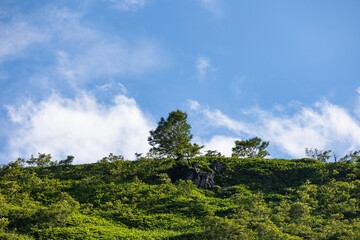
120,199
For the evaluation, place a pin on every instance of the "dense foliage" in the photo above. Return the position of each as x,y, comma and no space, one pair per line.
251,148
119,199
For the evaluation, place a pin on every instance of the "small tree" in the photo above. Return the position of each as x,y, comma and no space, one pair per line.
322,156
213,153
111,158
67,161
43,160
252,148
353,156
172,137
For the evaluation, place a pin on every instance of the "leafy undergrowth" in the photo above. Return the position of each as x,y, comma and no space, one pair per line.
252,199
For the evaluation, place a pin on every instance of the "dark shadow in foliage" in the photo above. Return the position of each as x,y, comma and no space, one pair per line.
269,175
189,236
200,178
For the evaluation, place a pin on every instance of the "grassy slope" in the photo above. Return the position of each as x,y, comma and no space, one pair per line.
253,199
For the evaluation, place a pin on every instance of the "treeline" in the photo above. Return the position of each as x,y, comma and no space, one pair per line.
173,139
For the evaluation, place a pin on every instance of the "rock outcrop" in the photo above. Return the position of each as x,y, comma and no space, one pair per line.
200,178
217,166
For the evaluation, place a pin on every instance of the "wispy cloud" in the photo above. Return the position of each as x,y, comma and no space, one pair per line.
237,85
105,58
357,107
194,105
89,54
203,66
81,127
128,5
73,51
323,126
16,37
212,6
112,86
218,119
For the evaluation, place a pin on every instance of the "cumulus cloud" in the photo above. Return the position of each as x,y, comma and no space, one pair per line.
323,126
81,127
223,144
73,56
203,66
16,37
326,126
212,6
128,5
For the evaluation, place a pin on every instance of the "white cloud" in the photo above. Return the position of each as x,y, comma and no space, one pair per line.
203,66
325,126
16,37
223,144
20,114
81,127
194,105
212,6
128,5
218,119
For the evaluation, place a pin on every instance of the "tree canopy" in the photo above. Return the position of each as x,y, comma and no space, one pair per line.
172,137
320,155
251,148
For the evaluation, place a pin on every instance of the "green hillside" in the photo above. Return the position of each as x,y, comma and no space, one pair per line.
119,199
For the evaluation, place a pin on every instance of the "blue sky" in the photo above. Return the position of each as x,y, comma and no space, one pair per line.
89,78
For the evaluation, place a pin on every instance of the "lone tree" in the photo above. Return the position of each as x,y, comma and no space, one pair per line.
252,148
172,138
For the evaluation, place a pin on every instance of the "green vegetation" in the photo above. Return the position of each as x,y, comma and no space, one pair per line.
252,148
119,199
153,198
322,156
172,138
